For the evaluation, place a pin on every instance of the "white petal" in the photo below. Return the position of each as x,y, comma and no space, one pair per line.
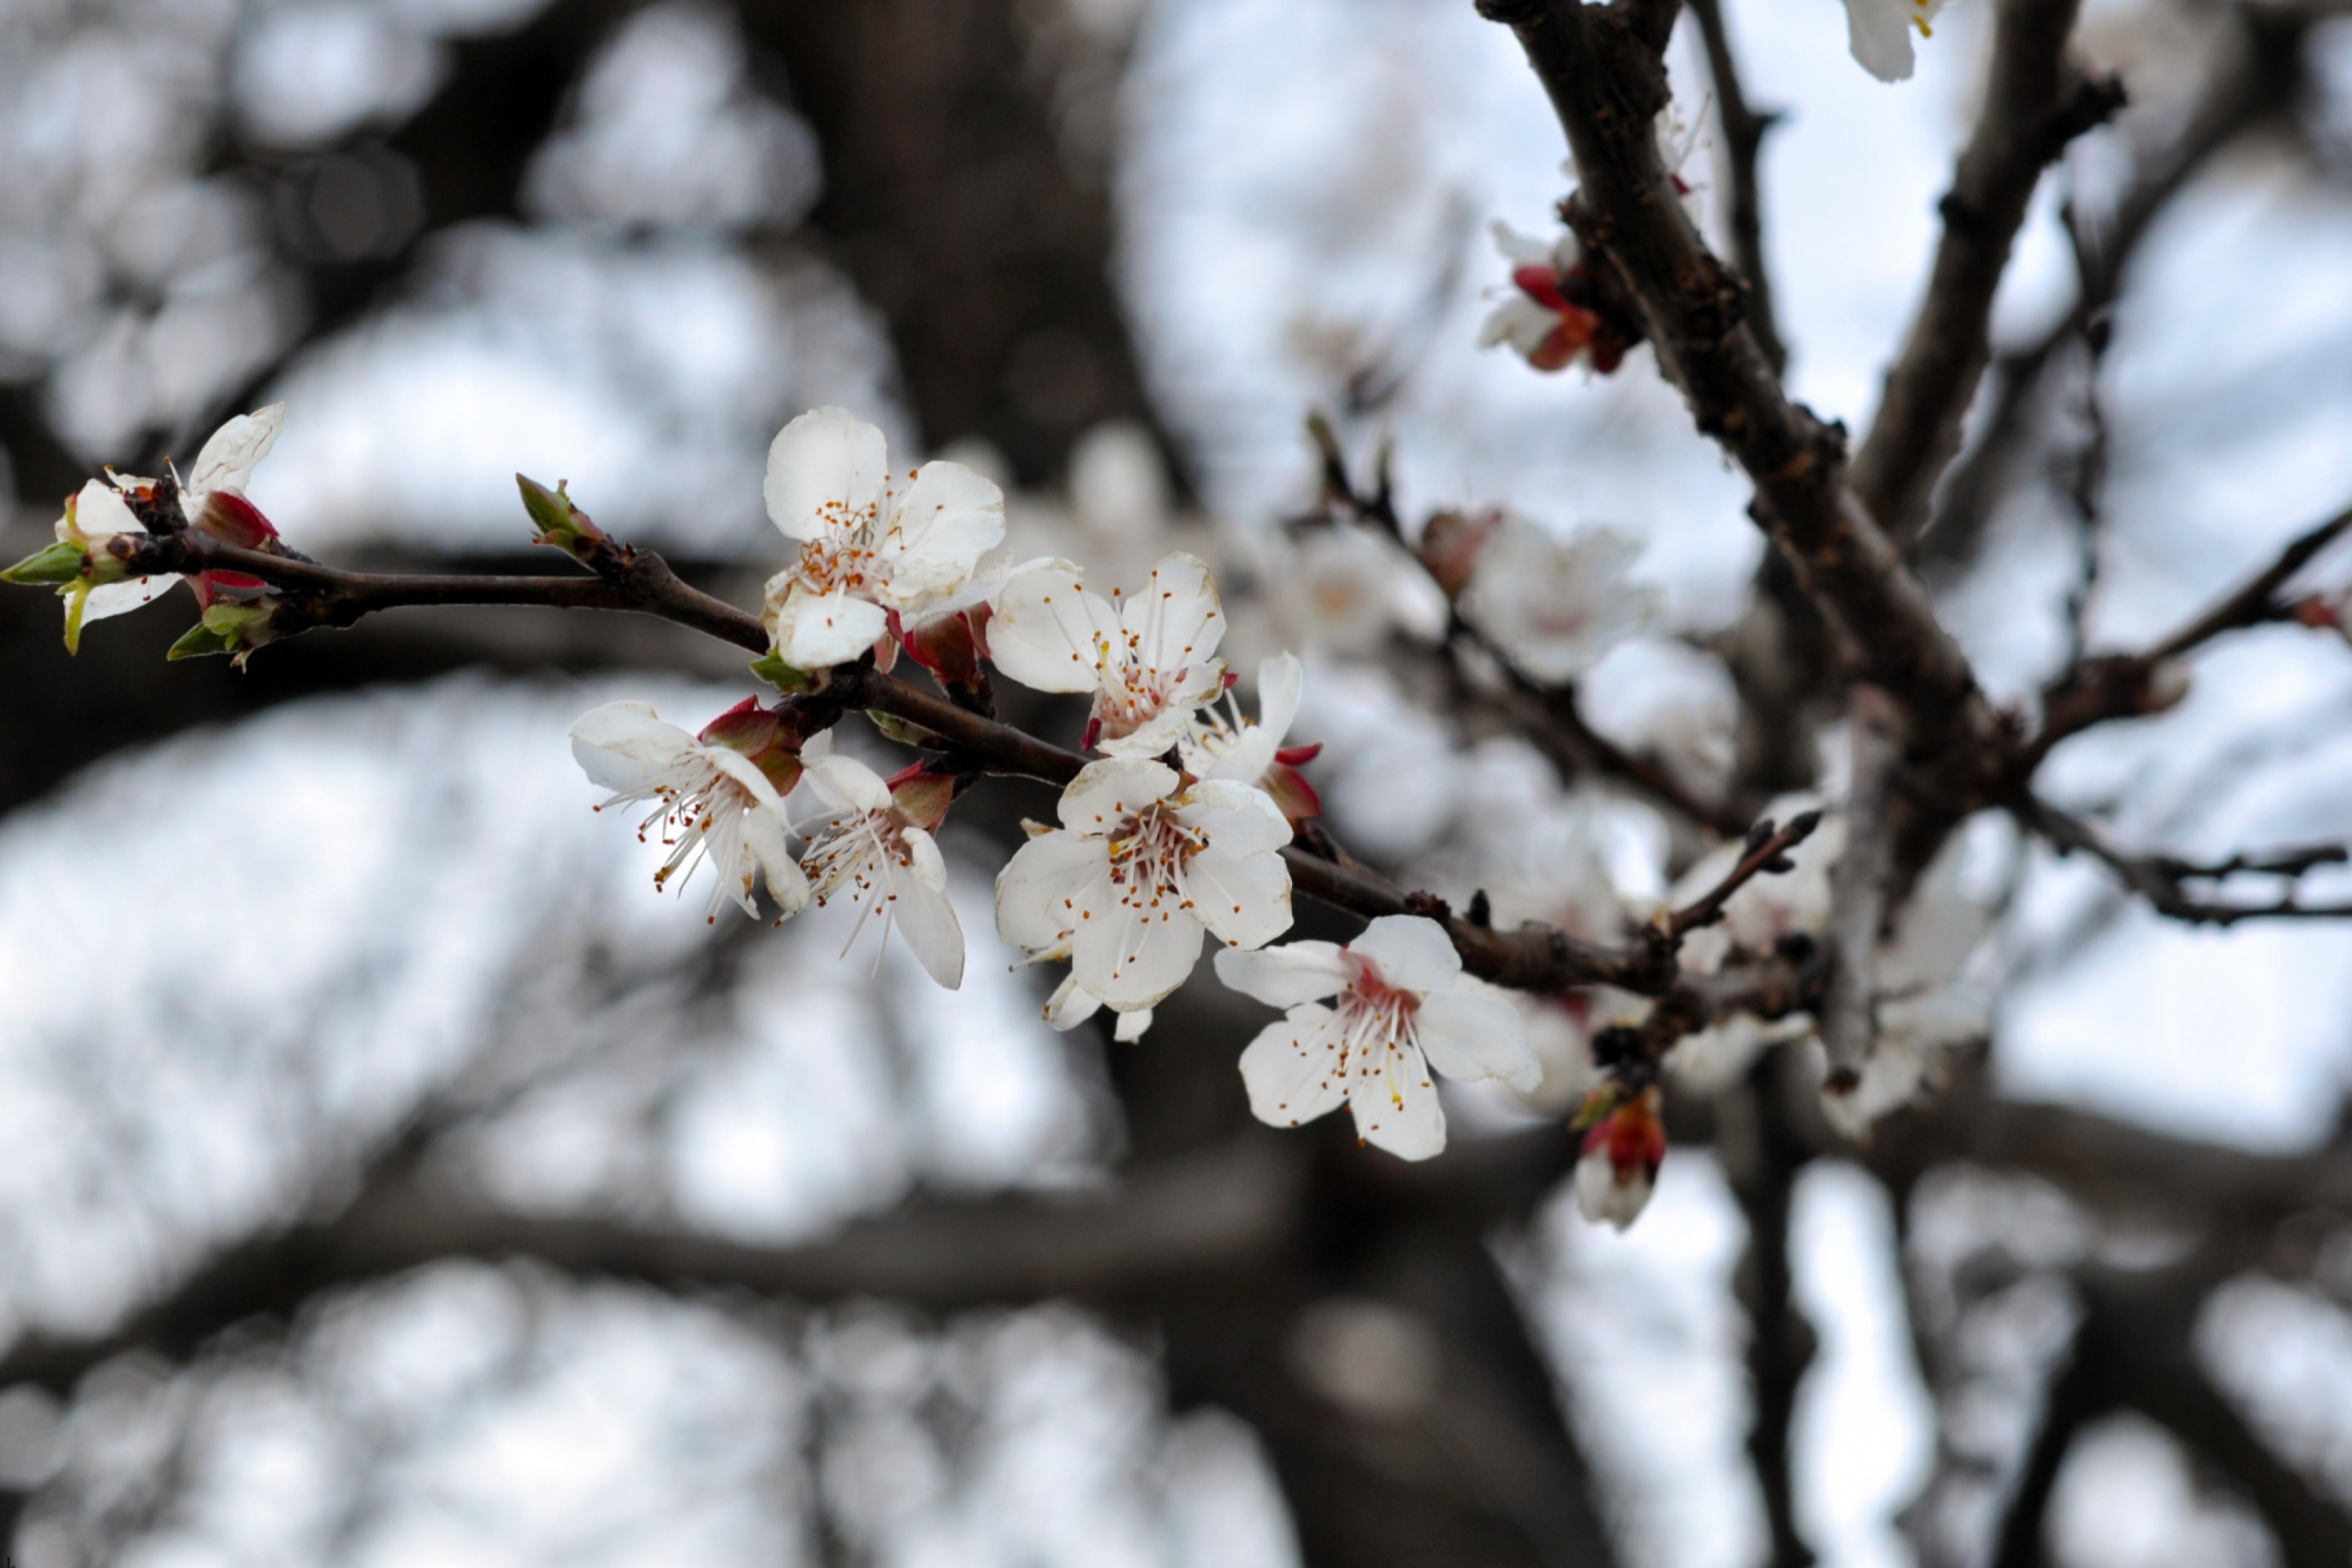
1473,1034
1244,899
122,598
1879,33
1396,1106
231,453
623,746
1292,1068
947,519
763,837
99,509
1519,249
927,921
744,772
845,783
1107,793
1174,618
1411,953
1281,683
1132,958
1132,1023
827,469
1520,323
1236,817
1043,889
818,631
930,871
1169,726
1071,1005
1285,976
1604,1199
1048,629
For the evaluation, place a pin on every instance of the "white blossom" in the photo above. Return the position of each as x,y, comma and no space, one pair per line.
1556,605
1225,746
710,801
1149,659
225,465
1538,320
869,843
1138,870
1400,1006
872,542
1336,589
1607,1195
1879,33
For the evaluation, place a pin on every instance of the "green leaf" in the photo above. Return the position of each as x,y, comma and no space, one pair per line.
60,563
561,524
225,628
781,675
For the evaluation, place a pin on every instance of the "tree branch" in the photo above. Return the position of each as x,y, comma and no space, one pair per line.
2036,101
1603,70
1743,138
2161,878
1860,887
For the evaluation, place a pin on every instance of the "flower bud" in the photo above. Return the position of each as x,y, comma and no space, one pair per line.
561,524
235,629
1624,1144
765,737
58,564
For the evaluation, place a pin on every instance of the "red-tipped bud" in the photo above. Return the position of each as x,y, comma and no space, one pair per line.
765,738
1450,546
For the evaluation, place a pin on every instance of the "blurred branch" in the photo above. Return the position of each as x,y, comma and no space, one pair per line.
1861,887
2251,79
2036,101
2162,879
2126,686
1765,846
1743,137
1168,1221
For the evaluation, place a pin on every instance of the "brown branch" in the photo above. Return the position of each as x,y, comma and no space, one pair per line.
1604,70
2036,101
2123,686
2255,78
1167,1224
1765,845
2160,878
1743,137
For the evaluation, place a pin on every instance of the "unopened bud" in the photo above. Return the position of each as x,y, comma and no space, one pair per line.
924,796
2167,684
561,524
225,628
59,563
1450,545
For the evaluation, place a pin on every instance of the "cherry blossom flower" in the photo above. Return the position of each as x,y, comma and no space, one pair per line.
1400,1006
1624,1144
106,519
718,796
1137,872
1225,746
871,543
1336,589
1879,33
1555,607
1550,321
874,842
1148,660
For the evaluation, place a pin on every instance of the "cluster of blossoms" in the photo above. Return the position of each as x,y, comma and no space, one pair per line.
1171,835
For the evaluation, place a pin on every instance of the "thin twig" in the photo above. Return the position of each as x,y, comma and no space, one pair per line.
1743,137
1765,845
2159,878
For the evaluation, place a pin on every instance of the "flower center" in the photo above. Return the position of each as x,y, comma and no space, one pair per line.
846,557
1148,854
1132,692
1374,1017
852,852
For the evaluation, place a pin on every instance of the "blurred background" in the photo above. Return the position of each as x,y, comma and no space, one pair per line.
388,1176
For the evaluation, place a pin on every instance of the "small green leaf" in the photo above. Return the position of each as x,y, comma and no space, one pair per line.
60,563
561,523
899,730
225,628
781,675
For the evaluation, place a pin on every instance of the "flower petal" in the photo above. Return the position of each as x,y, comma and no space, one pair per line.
827,471
923,861
1235,817
1469,1034
818,631
763,837
121,598
926,920
1048,631
1292,1068
1411,953
845,783
1174,620
624,746
744,772
1042,889
1395,1103
1107,793
1285,976
1071,1005
230,455
947,520
1244,899
1132,1023
1133,957
1879,33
